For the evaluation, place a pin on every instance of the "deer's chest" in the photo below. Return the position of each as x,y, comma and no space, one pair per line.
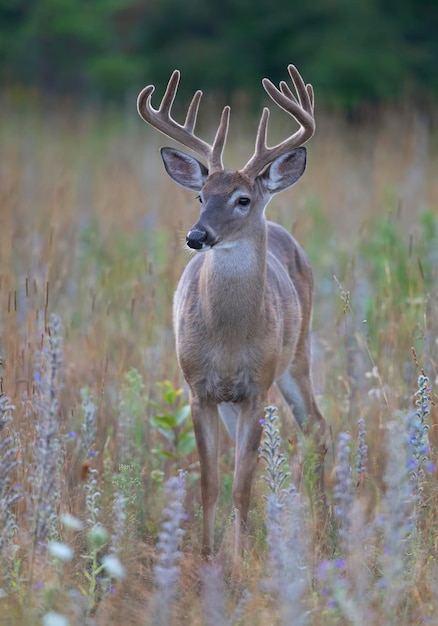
233,344
227,373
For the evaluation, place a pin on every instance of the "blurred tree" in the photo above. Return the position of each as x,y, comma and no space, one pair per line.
353,52
69,45
378,50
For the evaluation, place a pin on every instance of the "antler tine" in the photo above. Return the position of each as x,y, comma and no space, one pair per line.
300,86
311,95
170,93
262,132
162,120
300,107
143,97
192,112
219,141
287,91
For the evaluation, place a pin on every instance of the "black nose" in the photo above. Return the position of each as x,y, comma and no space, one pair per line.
196,238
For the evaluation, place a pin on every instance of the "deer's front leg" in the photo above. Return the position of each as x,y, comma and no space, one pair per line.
207,433
249,433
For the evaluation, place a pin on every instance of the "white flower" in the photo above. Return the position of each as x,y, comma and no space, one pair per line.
55,619
373,374
60,551
71,522
113,567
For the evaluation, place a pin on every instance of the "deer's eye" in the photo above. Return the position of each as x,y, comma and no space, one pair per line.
199,198
243,201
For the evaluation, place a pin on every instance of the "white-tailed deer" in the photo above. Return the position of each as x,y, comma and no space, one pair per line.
243,305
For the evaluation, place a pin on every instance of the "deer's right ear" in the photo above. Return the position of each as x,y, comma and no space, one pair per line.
184,169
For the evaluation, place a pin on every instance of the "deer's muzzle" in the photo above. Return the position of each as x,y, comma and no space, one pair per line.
196,239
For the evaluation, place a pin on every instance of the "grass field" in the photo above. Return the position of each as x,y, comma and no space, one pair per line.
91,248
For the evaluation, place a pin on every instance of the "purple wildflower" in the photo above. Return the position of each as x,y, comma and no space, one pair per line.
167,570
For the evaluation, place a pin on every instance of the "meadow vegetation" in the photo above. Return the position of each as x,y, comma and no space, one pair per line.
99,484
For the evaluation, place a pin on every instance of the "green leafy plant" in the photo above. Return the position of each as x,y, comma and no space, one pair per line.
400,266
172,421
102,554
128,483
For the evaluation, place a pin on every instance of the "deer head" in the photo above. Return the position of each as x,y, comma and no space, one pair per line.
231,200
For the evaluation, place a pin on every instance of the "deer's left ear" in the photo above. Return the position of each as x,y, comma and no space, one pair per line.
285,171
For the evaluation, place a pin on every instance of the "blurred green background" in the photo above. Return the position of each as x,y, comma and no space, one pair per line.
355,52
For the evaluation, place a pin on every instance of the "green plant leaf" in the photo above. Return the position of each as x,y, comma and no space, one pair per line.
166,422
186,443
182,414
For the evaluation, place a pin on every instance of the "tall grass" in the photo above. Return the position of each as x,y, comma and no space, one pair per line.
91,248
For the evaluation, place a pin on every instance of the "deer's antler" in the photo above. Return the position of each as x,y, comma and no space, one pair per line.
300,107
162,120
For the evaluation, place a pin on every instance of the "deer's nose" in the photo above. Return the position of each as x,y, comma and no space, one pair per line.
196,238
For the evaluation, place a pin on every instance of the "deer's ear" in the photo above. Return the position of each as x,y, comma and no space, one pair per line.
184,169
285,171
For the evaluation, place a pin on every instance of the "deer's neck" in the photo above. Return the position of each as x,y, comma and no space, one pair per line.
232,286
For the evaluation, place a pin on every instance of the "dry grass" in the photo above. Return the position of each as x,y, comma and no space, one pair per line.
91,228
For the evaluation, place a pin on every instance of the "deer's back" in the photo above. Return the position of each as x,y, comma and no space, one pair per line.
292,257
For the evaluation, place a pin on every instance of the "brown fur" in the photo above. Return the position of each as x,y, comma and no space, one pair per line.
238,330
